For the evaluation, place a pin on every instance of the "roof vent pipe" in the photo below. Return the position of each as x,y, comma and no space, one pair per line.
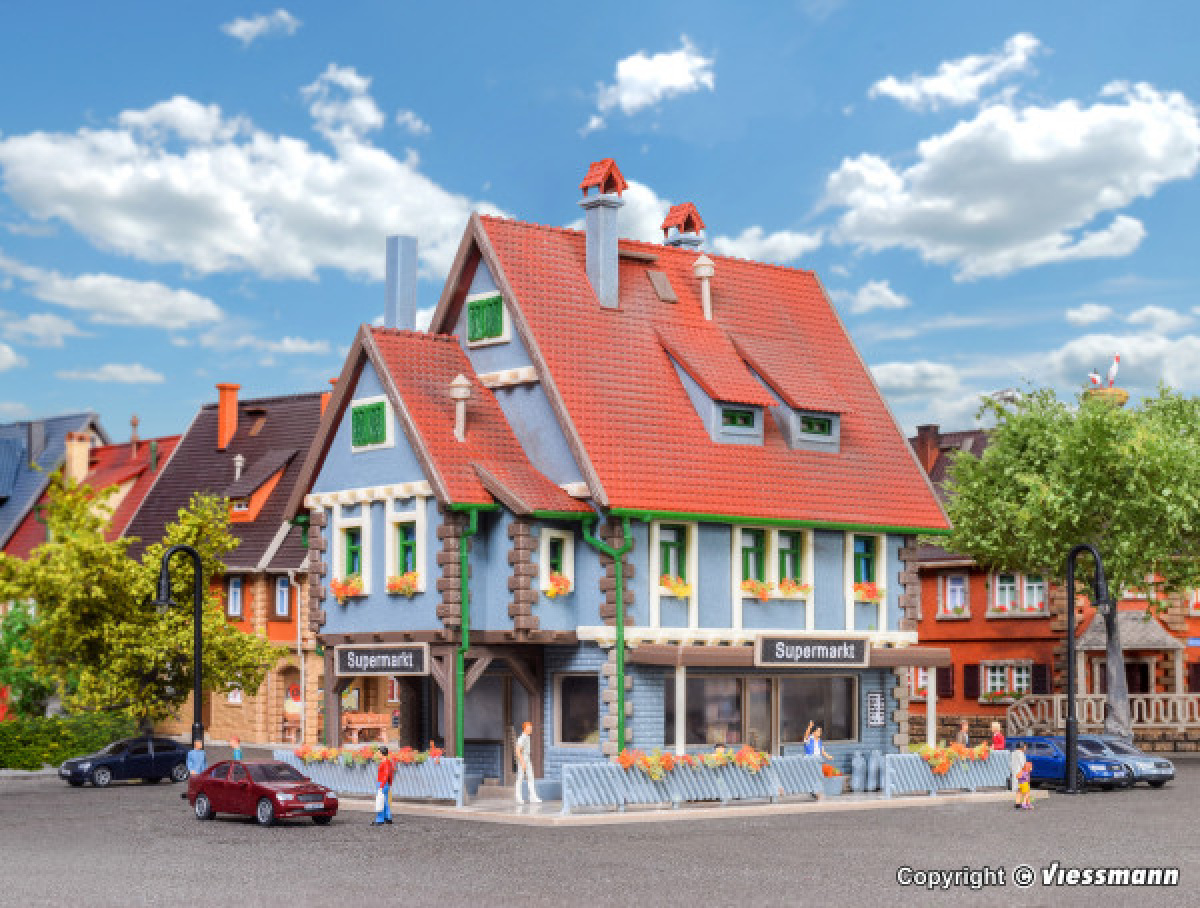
400,303
704,270
460,393
239,463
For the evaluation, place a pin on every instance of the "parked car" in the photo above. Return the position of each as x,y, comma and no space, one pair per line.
1157,771
149,759
1048,754
267,791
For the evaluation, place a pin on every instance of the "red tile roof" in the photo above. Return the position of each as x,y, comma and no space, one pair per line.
685,217
605,176
634,418
421,366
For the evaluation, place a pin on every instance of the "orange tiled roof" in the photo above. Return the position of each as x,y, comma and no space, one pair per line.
684,216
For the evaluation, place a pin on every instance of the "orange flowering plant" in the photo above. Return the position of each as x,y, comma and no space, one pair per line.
344,589
405,584
940,759
759,589
657,764
792,587
829,771
677,586
558,585
868,592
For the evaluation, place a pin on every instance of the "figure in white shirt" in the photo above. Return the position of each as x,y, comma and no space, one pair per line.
525,766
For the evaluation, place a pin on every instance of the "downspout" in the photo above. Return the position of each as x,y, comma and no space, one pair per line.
617,556
464,641
291,575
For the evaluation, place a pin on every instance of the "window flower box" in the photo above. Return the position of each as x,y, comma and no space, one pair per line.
405,584
759,589
557,585
869,592
675,586
1001,697
349,588
794,589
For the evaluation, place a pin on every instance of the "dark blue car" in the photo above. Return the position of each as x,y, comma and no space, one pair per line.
149,759
1048,754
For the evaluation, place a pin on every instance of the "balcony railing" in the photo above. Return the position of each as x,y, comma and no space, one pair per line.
1179,711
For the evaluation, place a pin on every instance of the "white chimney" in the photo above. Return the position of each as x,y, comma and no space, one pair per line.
460,392
703,269
400,303
79,450
239,462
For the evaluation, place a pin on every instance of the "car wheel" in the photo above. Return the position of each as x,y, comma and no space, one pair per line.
75,783
322,821
152,780
203,807
264,812
1158,784
179,772
101,776
1081,781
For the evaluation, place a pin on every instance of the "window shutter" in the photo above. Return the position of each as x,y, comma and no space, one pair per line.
945,681
1194,678
971,681
967,594
1041,679
941,594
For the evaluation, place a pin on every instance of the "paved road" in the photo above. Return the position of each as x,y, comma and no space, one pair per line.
134,844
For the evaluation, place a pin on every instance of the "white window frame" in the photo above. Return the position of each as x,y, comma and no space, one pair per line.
282,585
1025,583
389,423
771,536
393,691
992,671
945,609
1011,608
239,505
232,585
1193,602
882,578
505,322
395,516
1024,671
234,697
558,706
918,680
568,560
341,523
657,592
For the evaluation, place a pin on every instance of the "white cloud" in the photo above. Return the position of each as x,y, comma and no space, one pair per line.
9,358
1088,314
108,299
1146,359
756,244
960,81
41,329
248,30
922,378
238,335
117,373
876,295
411,122
643,81
180,182
1018,187
889,330
1159,319
11,409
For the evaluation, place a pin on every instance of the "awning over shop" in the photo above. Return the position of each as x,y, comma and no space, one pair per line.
743,656
1138,631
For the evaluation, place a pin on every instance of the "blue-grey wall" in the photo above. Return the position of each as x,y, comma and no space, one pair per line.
490,571
829,579
646,722
895,569
528,411
585,657
494,356
774,614
715,606
581,606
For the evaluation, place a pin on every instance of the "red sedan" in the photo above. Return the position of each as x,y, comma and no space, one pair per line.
267,791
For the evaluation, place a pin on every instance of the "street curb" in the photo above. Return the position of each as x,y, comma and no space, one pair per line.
28,774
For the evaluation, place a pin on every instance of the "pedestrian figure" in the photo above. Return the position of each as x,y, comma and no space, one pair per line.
997,737
812,742
963,737
197,759
1023,778
525,767
1016,762
383,795
236,743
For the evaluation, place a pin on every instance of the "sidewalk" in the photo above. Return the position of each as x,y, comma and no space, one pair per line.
549,813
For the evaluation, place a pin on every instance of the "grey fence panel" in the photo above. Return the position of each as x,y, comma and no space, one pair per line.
798,774
911,774
441,780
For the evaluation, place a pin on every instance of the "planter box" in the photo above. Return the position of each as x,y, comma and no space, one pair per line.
834,785
440,780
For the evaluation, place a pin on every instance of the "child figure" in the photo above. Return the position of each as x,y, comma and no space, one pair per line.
1016,763
1023,797
236,743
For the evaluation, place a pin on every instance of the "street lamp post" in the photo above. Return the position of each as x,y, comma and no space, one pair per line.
164,601
1103,604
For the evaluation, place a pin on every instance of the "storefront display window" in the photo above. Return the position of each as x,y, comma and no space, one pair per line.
578,716
714,711
830,701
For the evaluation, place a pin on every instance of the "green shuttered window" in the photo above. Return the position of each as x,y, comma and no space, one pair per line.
368,423
485,318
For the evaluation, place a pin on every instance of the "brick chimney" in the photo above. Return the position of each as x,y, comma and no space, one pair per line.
227,413
927,445
687,223
600,227
325,395
79,450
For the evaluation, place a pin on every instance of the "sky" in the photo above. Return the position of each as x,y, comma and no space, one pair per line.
994,195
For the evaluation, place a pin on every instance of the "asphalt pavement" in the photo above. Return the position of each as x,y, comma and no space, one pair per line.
135,844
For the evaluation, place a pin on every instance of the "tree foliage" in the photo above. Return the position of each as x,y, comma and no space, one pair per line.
99,637
27,690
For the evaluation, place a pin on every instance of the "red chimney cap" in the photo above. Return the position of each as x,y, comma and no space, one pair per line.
605,176
685,217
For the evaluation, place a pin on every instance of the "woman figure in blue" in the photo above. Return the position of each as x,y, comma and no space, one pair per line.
812,742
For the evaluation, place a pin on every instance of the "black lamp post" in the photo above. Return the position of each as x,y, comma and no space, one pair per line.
164,601
1103,604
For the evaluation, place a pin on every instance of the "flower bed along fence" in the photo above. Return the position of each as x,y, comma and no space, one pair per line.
912,774
439,778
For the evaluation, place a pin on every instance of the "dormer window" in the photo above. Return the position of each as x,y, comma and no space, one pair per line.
734,418
816,425
486,320
240,505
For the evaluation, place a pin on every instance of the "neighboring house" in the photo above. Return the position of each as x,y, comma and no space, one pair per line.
579,397
30,451
250,452
1006,630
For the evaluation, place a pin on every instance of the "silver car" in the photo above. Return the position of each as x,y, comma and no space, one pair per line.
1155,770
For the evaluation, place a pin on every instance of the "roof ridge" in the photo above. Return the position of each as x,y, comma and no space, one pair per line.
301,395
417,335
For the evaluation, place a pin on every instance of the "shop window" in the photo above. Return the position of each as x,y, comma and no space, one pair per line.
556,562
754,555
954,597
394,690
283,598
485,319
865,558
577,717
830,701
233,597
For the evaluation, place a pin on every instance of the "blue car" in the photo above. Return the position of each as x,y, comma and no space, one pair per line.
1048,754
149,759
1155,770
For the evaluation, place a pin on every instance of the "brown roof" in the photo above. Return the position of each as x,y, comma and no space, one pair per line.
1138,630
199,467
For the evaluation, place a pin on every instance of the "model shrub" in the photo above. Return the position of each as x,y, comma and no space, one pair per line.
33,743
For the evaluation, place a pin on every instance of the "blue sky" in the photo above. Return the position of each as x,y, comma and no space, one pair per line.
995,195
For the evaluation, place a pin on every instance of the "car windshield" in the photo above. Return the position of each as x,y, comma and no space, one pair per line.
1092,748
1119,747
274,772
115,748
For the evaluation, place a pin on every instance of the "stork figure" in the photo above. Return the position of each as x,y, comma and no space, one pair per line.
1095,379
1112,370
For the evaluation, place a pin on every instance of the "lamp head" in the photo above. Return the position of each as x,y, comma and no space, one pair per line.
1104,602
163,600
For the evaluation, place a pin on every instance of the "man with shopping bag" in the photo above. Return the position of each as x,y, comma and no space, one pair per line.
383,805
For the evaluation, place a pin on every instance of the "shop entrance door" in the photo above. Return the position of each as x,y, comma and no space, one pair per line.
496,706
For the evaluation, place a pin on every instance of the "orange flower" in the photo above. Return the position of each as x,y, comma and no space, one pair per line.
405,755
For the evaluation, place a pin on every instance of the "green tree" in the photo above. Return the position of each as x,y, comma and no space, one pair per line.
97,635
1055,475
27,691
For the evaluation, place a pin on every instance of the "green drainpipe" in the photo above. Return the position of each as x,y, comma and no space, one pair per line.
464,643
619,576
